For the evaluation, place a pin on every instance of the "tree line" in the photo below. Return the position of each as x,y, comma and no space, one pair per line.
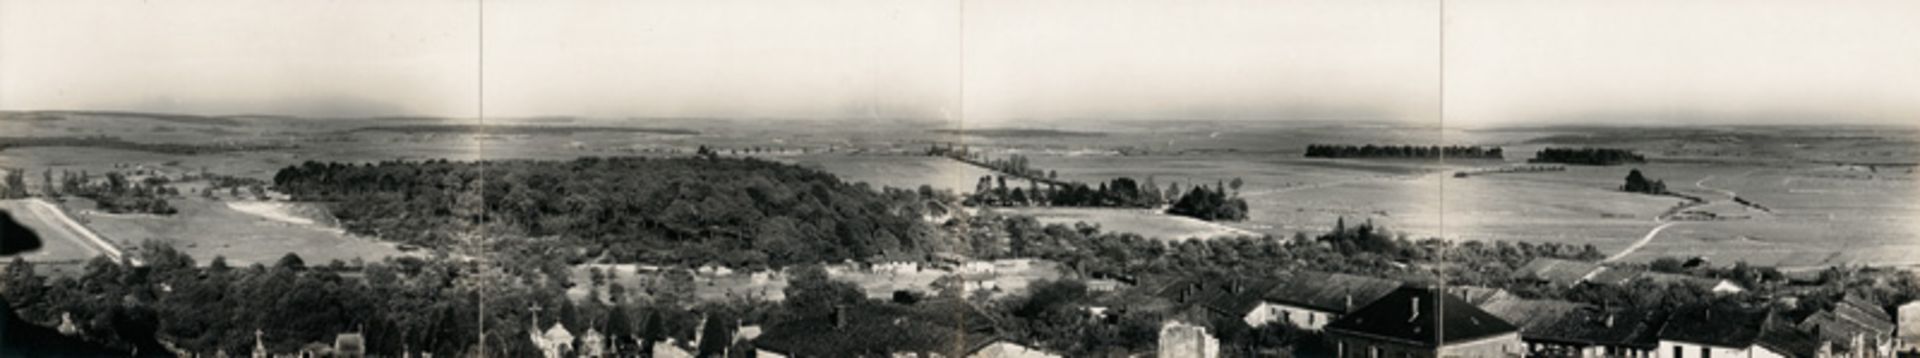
1402,151
108,142
1587,156
1214,204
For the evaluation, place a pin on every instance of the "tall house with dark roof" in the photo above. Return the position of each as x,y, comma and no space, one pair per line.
1422,322
1310,300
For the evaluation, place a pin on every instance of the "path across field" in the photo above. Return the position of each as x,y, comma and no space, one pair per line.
52,224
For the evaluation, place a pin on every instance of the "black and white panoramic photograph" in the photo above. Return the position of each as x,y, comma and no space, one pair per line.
960,178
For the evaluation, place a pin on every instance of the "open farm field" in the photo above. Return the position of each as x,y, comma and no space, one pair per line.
1145,222
64,249
207,228
900,171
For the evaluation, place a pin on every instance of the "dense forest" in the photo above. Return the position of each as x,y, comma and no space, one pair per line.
736,211
1402,151
1587,156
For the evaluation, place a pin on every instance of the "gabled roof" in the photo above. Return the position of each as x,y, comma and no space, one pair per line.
1556,271
1224,295
1575,323
1408,315
1865,313
1776,335
1678,279
1330,292
1716,325
880,330
1848,319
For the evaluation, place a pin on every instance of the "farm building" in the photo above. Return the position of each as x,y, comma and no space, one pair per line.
1555,328
1706,330
1855,328
1306,300
1310,300
1422,322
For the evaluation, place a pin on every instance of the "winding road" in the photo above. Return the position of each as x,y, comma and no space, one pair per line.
1664,224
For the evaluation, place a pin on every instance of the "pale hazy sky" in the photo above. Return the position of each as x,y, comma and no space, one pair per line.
991,61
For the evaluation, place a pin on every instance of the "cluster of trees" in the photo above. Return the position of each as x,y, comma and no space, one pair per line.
1216,204
1402,151
737,211
1120,192
117,193
108,142
1587,156
1637,183
1015,165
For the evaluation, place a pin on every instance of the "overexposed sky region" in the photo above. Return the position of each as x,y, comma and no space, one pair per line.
1506,62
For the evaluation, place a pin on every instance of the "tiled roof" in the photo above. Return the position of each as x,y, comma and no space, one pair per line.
1223,295
1848,319
1776,335
1575,323
1330,292
1716,325
1408,314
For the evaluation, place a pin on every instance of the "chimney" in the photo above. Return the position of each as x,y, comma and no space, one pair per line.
1349,306
1416,309
839,316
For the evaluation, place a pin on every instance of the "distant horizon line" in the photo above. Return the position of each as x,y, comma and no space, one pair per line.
1010,123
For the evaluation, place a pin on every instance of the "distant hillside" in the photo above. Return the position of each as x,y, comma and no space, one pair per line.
459,128
165,117
1018,133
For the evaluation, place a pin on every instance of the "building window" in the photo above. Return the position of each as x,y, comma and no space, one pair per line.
1679,352
1706,352
1373,352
